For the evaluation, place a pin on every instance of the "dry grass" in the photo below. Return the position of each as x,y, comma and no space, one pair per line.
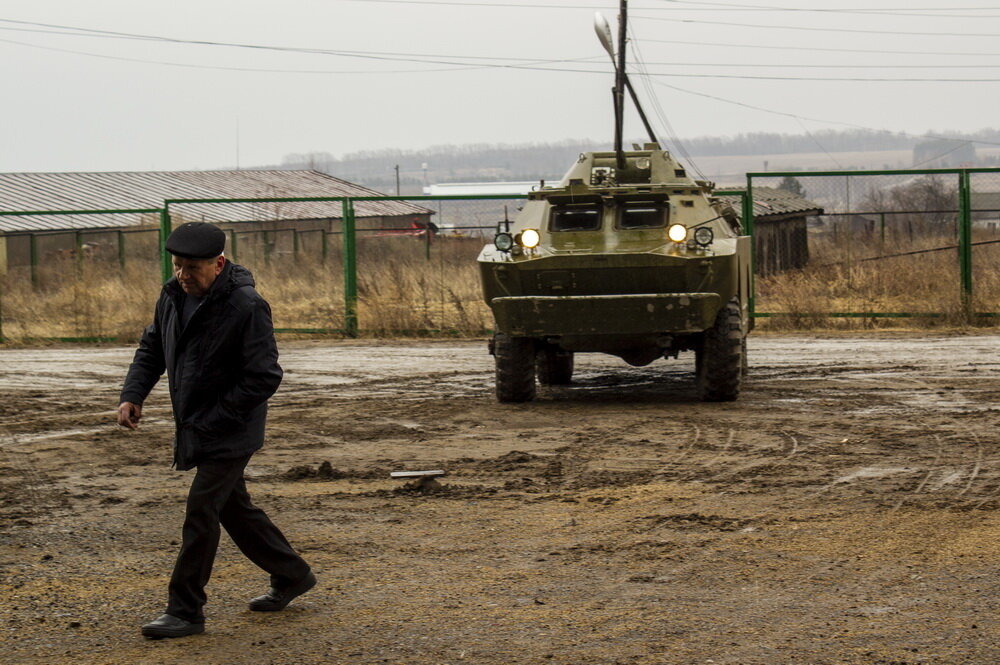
402,292
843,277
90,300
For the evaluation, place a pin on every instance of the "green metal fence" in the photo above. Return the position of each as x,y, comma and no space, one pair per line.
47,267
888,243
391,280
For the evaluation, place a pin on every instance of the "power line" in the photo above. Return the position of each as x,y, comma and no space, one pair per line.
814,29
67,31
887,11
388,55
816,141
698,6
802,117
463,60
940,155
658,108
704,6
827,50
850,79
480,61
454,64
811,66
234,69
456,3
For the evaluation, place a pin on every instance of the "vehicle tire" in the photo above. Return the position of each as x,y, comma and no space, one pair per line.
515,359
719,363
555,367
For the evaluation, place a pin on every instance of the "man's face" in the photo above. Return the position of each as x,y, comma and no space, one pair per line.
196,276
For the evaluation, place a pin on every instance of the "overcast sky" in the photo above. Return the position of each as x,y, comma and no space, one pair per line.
415,73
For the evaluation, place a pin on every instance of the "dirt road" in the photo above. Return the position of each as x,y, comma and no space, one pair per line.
845,510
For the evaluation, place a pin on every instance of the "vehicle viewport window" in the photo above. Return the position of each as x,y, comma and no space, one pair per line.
642,216
576,218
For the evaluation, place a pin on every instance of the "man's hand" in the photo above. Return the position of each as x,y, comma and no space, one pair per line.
129,415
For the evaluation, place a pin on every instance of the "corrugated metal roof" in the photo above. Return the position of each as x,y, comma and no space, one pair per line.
769,201
148,189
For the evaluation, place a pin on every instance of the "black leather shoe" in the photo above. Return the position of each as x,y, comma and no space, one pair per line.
278,599
170,626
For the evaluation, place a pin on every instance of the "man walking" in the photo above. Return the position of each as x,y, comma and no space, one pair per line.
213,335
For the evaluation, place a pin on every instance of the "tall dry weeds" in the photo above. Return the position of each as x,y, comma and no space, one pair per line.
85,300
403,292
400,292
862,274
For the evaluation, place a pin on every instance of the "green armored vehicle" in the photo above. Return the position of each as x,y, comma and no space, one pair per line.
627,255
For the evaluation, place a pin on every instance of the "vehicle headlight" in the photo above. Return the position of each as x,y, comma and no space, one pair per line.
503,242
677,232
704,236
528,238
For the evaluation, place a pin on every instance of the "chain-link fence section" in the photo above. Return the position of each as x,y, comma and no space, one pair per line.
80,284
426,279
868,245
399,265
985,226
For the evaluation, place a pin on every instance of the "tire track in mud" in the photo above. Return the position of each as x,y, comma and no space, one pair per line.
695,528
927,476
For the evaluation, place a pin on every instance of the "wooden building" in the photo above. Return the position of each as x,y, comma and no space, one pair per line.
780,228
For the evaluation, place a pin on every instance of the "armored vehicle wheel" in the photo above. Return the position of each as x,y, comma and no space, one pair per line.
515,358
719,363
555,368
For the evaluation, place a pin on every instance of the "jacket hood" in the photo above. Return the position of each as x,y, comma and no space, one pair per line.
232,277
237,276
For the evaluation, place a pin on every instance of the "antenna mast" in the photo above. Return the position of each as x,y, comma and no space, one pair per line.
620,81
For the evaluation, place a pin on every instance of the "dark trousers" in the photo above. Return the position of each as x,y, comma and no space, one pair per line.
218,495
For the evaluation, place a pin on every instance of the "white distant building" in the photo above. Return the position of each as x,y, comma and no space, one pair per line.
481,188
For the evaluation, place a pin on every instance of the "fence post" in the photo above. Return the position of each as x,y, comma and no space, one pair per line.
121,250
78,244
33,250
1,309
295,243
326,249
965,241
748,230
167,267
267,248
350,270
232,245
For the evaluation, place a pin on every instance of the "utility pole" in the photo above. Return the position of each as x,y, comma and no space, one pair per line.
397,179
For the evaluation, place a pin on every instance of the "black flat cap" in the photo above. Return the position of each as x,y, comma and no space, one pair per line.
196,240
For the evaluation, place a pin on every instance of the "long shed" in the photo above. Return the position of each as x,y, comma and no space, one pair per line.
21,237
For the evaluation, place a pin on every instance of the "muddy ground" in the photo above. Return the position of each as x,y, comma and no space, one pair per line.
845,510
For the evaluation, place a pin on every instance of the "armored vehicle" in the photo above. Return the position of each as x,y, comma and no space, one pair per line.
628,255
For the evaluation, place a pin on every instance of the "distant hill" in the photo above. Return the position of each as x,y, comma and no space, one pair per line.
534,161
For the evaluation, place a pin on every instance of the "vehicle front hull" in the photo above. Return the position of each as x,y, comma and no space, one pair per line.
600,315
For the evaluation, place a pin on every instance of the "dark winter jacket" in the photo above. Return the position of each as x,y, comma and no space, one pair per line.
222,367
